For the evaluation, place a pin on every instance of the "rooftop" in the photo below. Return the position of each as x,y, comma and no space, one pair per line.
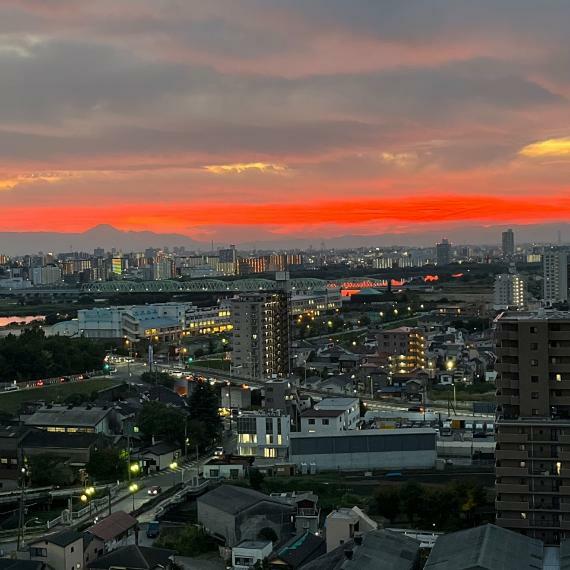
253,544
321,413
540,315
67,416
300,549
112,526
336,403
486,547
232,499
63,538
133,556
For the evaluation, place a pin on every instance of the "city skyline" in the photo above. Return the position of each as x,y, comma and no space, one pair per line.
254,121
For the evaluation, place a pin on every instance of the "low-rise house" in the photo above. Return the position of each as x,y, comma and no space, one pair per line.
298,551
350,408
322,421
307,512
486,547
235,513
227,467
375,550
61,550
75,419
135,557
248,553
108,534
344,524
158,456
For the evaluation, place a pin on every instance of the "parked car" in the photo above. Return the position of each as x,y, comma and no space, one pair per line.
153,529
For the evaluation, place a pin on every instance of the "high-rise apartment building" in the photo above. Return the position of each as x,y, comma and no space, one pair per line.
510,291
406,347
261,335
508,243
556,268
533,424
443,252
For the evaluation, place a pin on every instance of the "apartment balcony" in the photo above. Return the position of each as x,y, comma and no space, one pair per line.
564,455
514,437
512,523
508,400
508,335
511,472
559,335
560,401
564,439
511,454
516,506
507,367
565,506
561,368
508,488
507,351
564,490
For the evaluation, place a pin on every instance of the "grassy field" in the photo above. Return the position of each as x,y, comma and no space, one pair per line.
11,401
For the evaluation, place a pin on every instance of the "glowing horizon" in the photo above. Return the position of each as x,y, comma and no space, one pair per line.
311,119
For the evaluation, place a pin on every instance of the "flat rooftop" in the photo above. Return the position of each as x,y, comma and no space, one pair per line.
540,315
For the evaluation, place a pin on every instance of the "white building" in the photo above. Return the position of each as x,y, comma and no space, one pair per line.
510,292
248,553
263,434
343,524
47,275
555,265
350,408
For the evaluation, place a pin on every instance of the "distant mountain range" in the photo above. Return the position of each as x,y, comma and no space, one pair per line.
108,237
105,236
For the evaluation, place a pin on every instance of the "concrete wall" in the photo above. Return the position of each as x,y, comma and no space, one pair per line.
367,460
217,522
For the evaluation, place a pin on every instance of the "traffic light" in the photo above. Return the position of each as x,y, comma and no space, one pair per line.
106,366
190,359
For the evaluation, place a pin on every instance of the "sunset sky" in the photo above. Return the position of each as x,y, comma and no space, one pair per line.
245,119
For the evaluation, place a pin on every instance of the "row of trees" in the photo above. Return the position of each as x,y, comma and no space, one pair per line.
32,355
456,506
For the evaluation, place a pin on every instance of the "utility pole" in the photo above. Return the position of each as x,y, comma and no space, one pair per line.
21,508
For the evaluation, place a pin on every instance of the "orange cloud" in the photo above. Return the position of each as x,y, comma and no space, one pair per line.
189,218
241,167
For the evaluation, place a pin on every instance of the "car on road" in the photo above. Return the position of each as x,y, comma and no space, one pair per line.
11,388
154,490
218,451
153,529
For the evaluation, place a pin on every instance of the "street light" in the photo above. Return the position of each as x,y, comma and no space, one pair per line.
173,466
133,488
134,468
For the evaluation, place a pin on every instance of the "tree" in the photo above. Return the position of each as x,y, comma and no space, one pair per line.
267,533
108,464
50,470
386,502
160,378
411,495
159,420
189,540
256,478
203,406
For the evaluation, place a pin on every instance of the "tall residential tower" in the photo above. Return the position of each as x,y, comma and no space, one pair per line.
533,424
261,326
